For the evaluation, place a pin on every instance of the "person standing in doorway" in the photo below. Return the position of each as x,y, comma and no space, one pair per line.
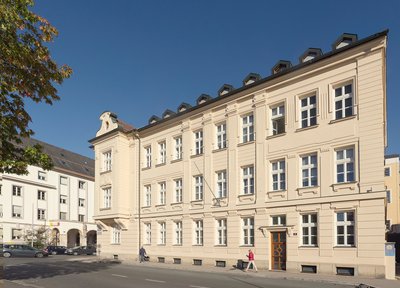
251,261
142,254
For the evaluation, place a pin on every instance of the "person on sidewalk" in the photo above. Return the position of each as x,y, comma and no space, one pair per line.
142,254
251,261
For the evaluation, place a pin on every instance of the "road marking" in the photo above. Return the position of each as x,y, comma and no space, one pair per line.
157,281
22,283
117,275
194,286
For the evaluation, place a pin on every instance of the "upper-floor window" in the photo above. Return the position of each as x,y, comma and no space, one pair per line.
278,119
178,190
387,171
221,184
81,184
163,233
309,170
63,199
278,220
345,231
1,210
198,232
248,128
163,191
63,180
63,215
16,234
17,190
41,214
42,175
81,218
248,180
178,233
344,101
162,149
147,195
148,156
345,165
107,197
16,211
308,111
388,196
221,232
147,231
41,195
198,187
107,161
81,202
221,136
309,228
116,235
198,141
278,175
248,231
178,148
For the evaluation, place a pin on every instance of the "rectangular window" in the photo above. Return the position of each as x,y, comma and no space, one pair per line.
41,195
107,197
147,229
42,175
308,111
221,184
278,175
345,165
16,211
41,214
81,184
148,156
198,136
387,171
116,236
309,170
81,202
1,210
278,220
178,190
248,128
344,101
388,196
278,119
198,232
178,148
63,199
16,234
221,136
107,161
248,180
147,195
198,187
63,180
178,233
163,233
81,218
17,190
221,232
163,191
345,231
162,150
248,231
309,227
63,215
1,234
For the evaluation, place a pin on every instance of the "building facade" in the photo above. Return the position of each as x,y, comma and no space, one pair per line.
392,182
60,201
289,165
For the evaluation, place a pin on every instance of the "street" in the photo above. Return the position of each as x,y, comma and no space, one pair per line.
68,271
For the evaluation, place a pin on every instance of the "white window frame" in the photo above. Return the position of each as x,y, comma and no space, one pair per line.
81,202
41,214
163,233
198,232
63,199
248,180
16,211
16,234
178,148
42,175
162,189
345,224
17,191
198,142
278,175
1,211
81,217
306,107
63,215
222,235
162,152
248,128
147,195
147,229
147,155
63,180
278,220
248,231
41,195
388,196
107,198
308,225
277,116
81,184
178,233
198,187
107,161
115,236
309,167
178,190
343,98
346,161
222,184
221,136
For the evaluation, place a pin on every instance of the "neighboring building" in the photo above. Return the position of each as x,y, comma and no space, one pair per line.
289,165
60,200
392,182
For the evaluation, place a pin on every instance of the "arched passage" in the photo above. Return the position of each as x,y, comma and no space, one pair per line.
91,237
73,238
55,237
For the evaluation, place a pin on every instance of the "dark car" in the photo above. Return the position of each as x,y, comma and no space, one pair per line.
54,250
21,250
79,250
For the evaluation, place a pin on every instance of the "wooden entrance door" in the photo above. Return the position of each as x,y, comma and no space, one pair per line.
278,250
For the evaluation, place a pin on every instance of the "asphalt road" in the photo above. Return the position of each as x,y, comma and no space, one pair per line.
64,271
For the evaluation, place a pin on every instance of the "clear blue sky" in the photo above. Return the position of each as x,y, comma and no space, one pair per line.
138,58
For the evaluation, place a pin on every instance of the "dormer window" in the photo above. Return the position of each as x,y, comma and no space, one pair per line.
183,107
280,66
344,40
153,119
251,78
203,98
168,113
310,54
225,89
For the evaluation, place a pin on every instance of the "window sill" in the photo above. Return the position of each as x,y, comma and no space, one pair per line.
105,209
196,155
105,172
176,160
198,245
177,245
307,128
344,247
246,143
160,164
146,168
276,135
115,244
146,207
220,150
342,119
344,186
308,189
194,202
220,245
160,205
176,203
247,245
160,244
308,247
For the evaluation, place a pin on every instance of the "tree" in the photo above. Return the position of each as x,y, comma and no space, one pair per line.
38,237
27,73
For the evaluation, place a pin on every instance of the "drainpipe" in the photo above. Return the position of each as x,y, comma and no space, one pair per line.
136,134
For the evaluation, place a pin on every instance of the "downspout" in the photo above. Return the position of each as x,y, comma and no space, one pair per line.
136,134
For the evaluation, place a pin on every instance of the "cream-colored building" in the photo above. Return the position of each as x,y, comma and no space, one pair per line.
289,165
392,182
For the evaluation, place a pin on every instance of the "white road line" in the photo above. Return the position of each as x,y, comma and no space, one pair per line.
117,275
22,283
194,286
157,281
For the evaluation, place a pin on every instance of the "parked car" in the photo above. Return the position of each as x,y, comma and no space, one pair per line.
54,250
79,250
21,250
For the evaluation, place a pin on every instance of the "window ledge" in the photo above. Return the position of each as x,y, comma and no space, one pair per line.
276,135
219,149
105,209
160,164
196,155
146,168
306,128
344,247
198,245
246,245
194,202
309,247
342,119
220,245
246,143
160,244
176,160
344,186
247,198
307,190
160,205
176,203
105,172
177,245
